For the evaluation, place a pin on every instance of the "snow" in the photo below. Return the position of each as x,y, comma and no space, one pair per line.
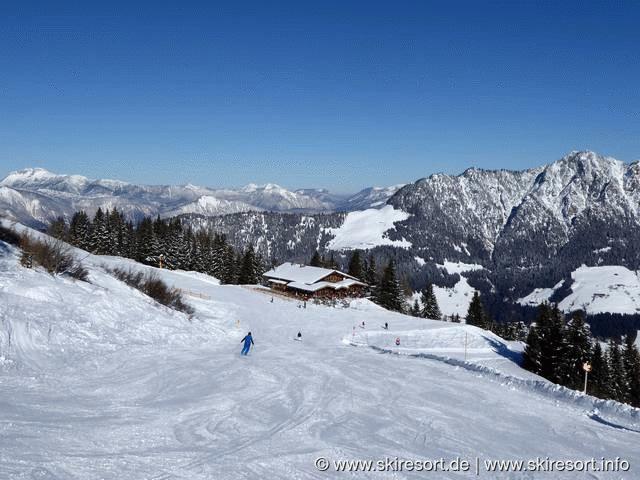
100,382
612,289
451,301
459,267
365,229
305,274
456,300
539,295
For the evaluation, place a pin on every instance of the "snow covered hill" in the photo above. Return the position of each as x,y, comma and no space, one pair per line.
99,382
607,289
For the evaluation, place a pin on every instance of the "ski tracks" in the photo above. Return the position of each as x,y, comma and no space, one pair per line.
275,415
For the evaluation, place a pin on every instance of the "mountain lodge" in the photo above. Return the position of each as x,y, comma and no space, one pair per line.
307,282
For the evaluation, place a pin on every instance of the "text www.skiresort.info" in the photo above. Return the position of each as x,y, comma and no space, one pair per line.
475,466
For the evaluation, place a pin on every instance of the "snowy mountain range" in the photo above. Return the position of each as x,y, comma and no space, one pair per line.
36,197
528,229
523,218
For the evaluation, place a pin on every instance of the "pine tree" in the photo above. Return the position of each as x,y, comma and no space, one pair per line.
145,241
415,310
79,230
371,272
230,266
332,264
58,229
631,362
249,273
532,355
388,293
115,223
316,261
430,307
355,265
553,346
617,384
475,314
577,351
545,344
598,380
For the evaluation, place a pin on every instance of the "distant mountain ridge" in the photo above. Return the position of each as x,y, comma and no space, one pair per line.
528,229
36,196
489,214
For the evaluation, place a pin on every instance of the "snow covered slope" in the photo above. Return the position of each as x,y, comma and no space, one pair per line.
611,289
367,229
99,382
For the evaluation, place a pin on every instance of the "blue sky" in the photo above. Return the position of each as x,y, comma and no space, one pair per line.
338,95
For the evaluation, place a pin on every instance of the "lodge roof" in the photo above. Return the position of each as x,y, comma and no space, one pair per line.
303,276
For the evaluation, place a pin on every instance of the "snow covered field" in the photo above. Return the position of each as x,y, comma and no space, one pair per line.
98,382
366,229
610,288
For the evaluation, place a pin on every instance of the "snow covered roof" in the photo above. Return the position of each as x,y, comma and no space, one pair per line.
303,274
314,287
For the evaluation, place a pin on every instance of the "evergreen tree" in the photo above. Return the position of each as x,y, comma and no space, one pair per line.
230,269
115,224
145,241
631,362
218,257
552,346
371,272
415,310
388,293
577,351
249,273
598,380
476,314
430,307
316,261
532,355
545,344
58,229
79,230
617,383
332,264
355,265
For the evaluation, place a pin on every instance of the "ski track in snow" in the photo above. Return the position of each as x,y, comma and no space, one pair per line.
100,383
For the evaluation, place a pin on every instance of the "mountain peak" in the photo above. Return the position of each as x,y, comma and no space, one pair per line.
27,175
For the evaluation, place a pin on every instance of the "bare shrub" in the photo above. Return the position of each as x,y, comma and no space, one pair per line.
151,285
9,236
53,255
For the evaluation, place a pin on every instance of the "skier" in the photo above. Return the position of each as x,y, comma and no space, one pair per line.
386,326
299,336
248,341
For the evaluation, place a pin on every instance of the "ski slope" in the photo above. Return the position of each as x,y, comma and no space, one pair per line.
99,382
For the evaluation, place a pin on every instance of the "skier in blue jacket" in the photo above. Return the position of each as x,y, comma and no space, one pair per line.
248,341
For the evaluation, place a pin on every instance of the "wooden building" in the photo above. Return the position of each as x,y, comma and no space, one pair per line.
307,282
